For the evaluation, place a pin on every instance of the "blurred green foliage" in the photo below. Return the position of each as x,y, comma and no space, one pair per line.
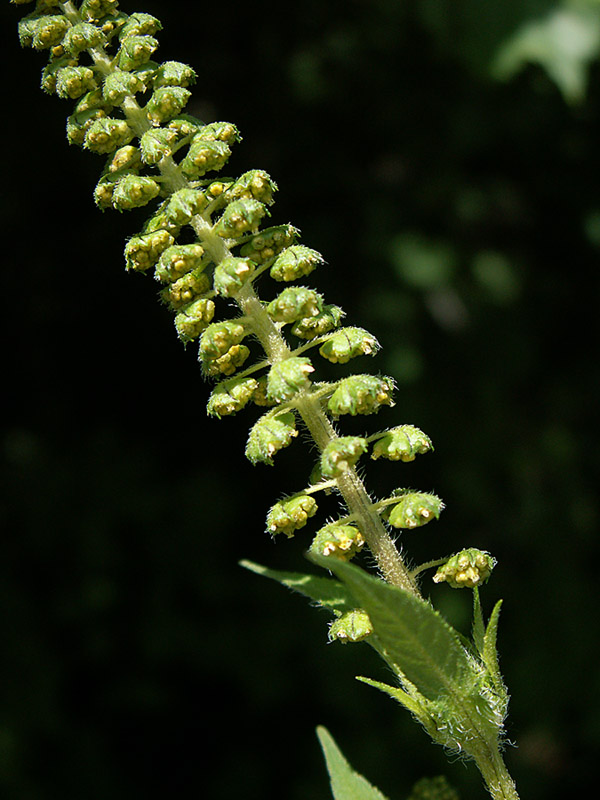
460,216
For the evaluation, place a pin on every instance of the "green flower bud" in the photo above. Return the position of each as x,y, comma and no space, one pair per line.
125,158
469,568
78,124
338,541
81,37
341,454
253,184
185,125
288,377
269,435
72,82
295,262
259,397
193,319
269,242
220,131
166,103
174,73
294,303
230,397
97,9
288,516
107,135
352,626
120,84
186,289
92,101
143,251
415,509
204,156
241,216
140,24
177,260
360,394
348,343
135,51
402,443
311,327
43,32
134,191
183,205
227,364
156,144
231,275
51,70
104,190
111,24
145,74
220,337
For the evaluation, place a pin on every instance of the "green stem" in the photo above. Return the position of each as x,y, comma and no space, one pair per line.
497,778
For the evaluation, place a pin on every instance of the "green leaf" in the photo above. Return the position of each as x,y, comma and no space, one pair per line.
345,783
564,43
324,591
413,635
478,629
490,652
412,704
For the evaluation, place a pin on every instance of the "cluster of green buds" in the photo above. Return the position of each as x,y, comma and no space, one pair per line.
467,569
206,242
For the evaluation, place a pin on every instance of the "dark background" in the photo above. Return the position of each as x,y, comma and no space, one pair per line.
460,218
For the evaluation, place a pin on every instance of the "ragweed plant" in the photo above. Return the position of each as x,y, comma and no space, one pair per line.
207,242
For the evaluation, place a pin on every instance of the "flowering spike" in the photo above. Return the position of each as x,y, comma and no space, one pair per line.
269,435
402,443
288,516
467,569
360,394
348,343
415,509
341,454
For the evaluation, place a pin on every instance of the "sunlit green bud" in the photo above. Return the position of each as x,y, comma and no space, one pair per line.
104,190
324,322
195,318
403,443
269,435
295,262
241,216
360,394
415,509
227,364
186,289
288,516
96,9
158,221
203,155
269,242
231,275
231,396
111,24
143,251
93,100
256,184
259,397
219,337
338,541
341,454
469,568
135,51
185,125
107,135
348,343
352,626
145,74
166,103
156,144
43,32
174,73
183,205
51,70
72,82
126,157
140,24
133,191
177,260
288,377
220,131
294,303
81,37
78,124
119,85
